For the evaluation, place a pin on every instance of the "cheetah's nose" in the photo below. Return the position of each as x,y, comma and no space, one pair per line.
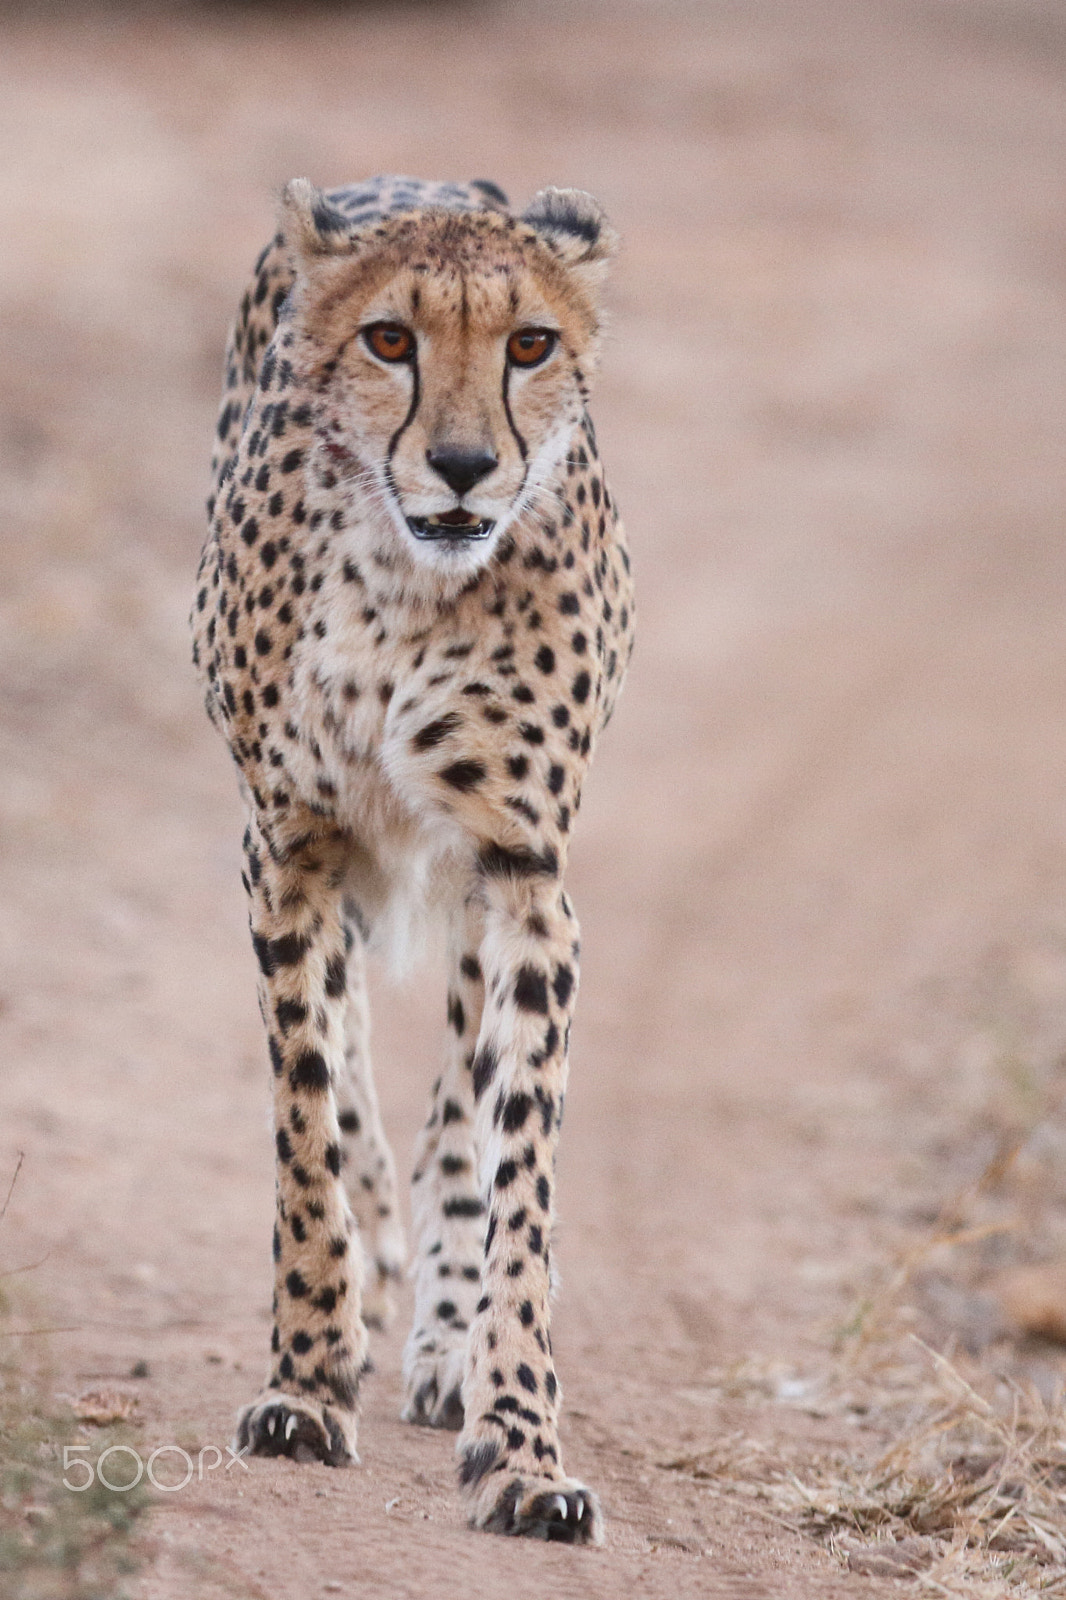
461,469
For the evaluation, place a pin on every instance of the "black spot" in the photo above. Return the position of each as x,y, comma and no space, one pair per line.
283,1145
562,984
301,1342
485,1064
348,1121
556,778
478,1459
569,604
333,1159
336,976
463,775
289,1013
470,968
506,1173
463,1207
296,1285
291,461
525,1377
497,861
434,732
518,766
580,687
545,658
531,990
544,1193
514,1113
525,1314
309,1071
452,1112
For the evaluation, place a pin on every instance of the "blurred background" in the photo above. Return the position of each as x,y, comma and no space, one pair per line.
821,871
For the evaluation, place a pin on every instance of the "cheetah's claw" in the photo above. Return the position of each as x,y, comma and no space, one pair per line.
563,1513
287,1425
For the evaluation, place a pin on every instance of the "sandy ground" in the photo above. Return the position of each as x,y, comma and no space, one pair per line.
822,864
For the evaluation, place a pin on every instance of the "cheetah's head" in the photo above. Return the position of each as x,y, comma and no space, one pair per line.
451,354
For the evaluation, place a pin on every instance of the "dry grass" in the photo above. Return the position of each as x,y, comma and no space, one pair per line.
956,1480
965,1495
55,1544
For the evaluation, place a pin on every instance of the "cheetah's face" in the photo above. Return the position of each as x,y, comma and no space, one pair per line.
452,354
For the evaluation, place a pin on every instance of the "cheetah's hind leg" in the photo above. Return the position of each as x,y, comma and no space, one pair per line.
367,1163
449,1215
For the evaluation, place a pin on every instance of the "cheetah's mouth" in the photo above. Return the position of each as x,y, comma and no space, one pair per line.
456,526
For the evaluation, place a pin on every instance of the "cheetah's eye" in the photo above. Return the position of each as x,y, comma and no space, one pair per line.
390,341
528,347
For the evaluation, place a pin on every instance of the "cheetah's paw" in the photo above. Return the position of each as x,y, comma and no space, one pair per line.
557,1509
293,1425
433,1381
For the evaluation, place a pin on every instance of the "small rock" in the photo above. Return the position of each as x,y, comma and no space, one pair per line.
101,1406
140,1369
891,1560
1034,1298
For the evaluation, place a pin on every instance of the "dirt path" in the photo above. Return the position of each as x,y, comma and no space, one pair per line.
822,867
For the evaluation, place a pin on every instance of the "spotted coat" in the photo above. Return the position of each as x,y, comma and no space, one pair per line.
412,705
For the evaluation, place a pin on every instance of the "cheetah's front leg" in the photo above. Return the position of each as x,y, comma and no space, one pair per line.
510,1460
369,1169
308,1408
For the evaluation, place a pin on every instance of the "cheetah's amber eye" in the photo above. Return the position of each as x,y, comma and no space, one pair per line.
528,347
390,341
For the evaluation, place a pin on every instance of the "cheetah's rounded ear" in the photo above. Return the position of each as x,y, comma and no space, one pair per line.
311,225
576,228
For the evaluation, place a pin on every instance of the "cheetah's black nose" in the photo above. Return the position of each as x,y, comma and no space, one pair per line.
461,469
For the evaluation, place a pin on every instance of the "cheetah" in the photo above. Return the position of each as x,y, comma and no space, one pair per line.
413,616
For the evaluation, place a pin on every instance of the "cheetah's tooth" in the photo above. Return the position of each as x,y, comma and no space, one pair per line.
560,1502
272,1422
290,1429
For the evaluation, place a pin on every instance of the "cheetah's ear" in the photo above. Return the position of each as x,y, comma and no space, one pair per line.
575,226
311,225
